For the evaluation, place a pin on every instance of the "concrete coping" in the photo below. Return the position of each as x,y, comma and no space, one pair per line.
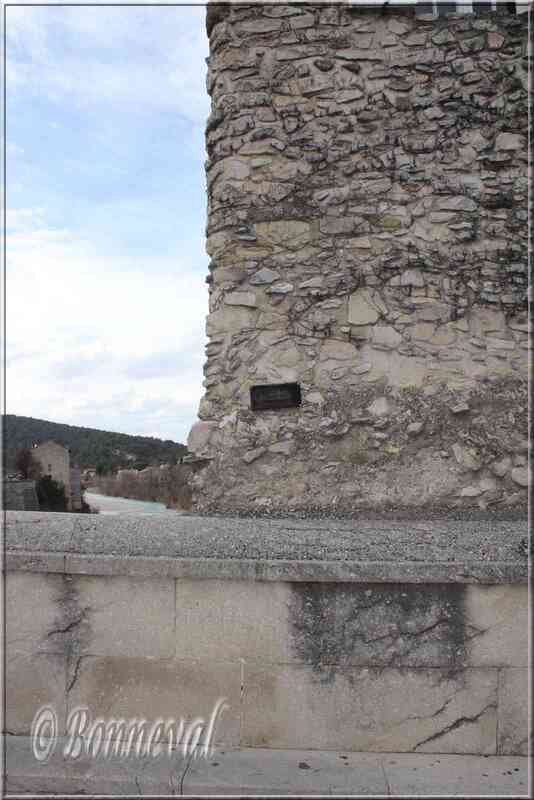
447,549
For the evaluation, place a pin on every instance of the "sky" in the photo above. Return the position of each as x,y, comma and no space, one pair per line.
106,212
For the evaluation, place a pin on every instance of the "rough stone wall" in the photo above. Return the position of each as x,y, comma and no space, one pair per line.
367,225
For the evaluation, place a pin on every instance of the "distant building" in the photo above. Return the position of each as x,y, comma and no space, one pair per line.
54,459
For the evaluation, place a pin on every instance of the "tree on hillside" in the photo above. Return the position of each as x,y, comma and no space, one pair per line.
27,465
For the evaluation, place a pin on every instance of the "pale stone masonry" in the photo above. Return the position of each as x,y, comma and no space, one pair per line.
371,636
367,227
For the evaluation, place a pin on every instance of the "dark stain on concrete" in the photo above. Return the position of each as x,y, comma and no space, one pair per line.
378,625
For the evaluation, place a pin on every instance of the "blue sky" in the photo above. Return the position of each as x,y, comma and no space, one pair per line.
106,299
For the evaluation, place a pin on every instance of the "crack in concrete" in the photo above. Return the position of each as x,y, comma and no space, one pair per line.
388,787
76,673
186,770
454,725
435,714
71,625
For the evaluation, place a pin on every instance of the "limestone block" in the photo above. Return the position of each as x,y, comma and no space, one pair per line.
434,312
230,320
380,407
412,277
471,491
314,397
443,337
365,307
260,26
496,625
334,350
334,226
149,688
379,710
475,139
284,233
414,428
126,616
230,169
495,40
264,275
312,283
253,455
510,141
227,620
400,370
513,727
466,458
32,681
200,436
241,299
285,447
521,476
458,203
32,607
280,288
384,336
398,27
501,467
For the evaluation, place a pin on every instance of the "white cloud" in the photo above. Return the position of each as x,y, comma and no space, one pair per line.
91,339
131,58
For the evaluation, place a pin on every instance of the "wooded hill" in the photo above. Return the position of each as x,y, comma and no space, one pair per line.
89,447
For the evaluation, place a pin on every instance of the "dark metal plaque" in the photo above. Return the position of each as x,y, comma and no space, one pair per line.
274,396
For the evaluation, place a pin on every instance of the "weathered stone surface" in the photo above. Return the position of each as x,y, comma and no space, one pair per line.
264,275
509,141
379,407
281,288
513,730
466,458
365,307
385,336
521,476
200,435
496,619
252,455
391,711
122,616
462,548
415,427
231,620
410,776
351,192
241,299
31,608
459,203
33,680
147,688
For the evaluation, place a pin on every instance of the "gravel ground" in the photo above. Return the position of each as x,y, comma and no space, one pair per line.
454,538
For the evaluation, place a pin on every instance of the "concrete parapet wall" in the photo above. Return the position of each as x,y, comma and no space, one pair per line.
383,666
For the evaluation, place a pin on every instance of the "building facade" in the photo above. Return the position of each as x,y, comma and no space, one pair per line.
367,228
54,459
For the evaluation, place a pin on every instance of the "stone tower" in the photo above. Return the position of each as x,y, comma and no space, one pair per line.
367,228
